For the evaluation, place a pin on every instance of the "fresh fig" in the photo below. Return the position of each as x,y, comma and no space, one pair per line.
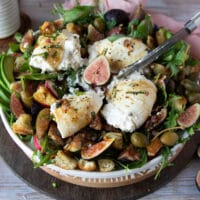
189,116
117,15
98,72
93,34
54,135
51,87
129,154
16,105
42,122
198,180
96,149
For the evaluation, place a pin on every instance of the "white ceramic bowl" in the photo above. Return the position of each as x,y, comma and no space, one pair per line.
96,179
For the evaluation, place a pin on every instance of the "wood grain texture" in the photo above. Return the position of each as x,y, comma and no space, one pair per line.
181,187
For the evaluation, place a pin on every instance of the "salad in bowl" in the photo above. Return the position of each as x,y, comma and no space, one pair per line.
62,103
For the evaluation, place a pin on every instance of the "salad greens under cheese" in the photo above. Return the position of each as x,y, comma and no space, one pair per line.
45,74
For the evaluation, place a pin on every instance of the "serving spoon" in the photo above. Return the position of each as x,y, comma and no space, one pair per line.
154,54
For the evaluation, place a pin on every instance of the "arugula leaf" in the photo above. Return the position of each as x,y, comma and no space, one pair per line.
192,62
71,77
176,57
112,38
18,37
39,76
176,105
13,47
142,30
132,26
166,152
139,163
46,154
171,119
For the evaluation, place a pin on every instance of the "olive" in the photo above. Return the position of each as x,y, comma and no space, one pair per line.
158,69
118,142
26,98
150,42
99,24
160,36
117,15
194,76
190,85
73,28
139,139
169,138
170,87
35,108
148,72
180,90
179,103
180,76
193,97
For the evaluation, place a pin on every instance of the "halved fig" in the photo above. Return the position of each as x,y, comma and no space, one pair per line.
189,116
16,86
76,143
93,34
117,136
51,87
27,40
198,180
43,96
156,119
96,123
98,72
129,154
96,149
54,135
42,122
16,105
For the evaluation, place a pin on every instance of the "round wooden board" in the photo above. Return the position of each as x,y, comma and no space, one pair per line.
41,181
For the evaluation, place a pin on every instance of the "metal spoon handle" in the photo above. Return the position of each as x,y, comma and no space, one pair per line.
153,55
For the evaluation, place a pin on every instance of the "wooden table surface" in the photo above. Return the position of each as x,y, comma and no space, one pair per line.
182,187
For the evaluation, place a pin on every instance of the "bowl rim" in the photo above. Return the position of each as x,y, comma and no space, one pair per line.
96,179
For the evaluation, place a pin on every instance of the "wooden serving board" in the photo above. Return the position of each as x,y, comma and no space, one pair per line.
41,181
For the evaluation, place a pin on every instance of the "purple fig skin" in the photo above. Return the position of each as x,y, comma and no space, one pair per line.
189,116
50,86
198,180
98,72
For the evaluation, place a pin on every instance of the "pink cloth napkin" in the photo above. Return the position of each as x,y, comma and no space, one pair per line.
158,18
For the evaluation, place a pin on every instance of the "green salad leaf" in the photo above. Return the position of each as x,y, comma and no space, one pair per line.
141,30
78,14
